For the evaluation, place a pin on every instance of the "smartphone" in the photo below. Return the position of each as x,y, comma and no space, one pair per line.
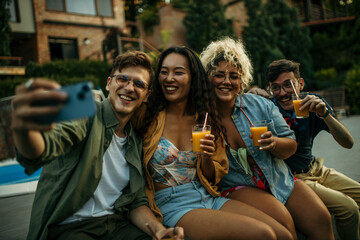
80,104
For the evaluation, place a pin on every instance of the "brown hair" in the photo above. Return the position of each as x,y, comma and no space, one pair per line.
280,66
133,59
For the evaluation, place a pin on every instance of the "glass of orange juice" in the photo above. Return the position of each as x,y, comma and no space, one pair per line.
296,101
259,128
199,133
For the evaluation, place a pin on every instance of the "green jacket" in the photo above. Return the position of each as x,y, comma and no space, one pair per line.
72,169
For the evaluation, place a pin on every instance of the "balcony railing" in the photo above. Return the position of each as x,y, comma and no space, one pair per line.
315,13
11,66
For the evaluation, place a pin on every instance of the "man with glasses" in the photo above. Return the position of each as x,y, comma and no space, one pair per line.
340,194
92,183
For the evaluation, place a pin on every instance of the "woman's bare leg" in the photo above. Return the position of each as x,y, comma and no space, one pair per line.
212,224
241,208
235,220
310,215
266,203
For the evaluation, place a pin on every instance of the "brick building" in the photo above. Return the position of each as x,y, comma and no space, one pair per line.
44,30
64,29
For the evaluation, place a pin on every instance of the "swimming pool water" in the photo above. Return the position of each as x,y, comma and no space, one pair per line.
12,174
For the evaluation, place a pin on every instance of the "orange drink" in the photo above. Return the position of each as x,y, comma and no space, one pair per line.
256,131
199,133
298,112
296,102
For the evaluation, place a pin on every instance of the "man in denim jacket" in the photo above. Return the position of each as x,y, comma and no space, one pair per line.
92,183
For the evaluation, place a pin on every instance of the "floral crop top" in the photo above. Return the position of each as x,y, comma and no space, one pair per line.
172,167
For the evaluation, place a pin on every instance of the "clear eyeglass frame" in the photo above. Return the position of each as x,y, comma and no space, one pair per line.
122,79
286,86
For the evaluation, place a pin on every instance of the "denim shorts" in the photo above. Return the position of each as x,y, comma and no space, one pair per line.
175,202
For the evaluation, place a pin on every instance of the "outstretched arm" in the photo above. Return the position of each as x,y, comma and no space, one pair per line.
340,133
26,131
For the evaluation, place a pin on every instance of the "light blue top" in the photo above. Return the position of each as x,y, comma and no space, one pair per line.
277,173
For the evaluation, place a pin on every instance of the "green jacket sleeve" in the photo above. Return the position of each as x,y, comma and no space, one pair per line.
58,142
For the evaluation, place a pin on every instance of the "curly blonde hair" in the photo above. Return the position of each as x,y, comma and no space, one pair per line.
231,51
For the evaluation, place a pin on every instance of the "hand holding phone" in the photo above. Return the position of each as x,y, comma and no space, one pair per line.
80,104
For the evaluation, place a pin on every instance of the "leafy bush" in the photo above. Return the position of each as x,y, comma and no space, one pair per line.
64,71
149,19
352,84
205,22
5,30
326,78
7,86
275,32
337,45
71,71
180,4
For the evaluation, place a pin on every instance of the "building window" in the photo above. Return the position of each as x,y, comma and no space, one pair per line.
105,8
13,7
55,5
61,48
87,7
81,6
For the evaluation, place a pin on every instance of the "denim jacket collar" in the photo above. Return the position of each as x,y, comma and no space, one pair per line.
239,100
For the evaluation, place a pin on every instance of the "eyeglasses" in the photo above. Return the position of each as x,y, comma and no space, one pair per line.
219,76
123,79
286,86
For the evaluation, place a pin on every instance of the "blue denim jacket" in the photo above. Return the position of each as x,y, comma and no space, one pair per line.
277,173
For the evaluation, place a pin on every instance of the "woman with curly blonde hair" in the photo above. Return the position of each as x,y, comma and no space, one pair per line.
258,176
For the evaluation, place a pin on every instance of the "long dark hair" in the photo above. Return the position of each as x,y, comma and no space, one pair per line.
201,98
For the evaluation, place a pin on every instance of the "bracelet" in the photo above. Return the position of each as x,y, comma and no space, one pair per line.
327,112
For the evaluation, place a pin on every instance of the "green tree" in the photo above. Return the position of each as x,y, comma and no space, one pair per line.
205,22
4,28
274,32
133,8
149,19
337,45
352,83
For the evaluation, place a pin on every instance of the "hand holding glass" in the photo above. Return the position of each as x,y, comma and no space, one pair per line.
296,101
259,128
198,132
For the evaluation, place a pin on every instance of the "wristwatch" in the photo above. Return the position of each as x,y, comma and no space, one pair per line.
327,112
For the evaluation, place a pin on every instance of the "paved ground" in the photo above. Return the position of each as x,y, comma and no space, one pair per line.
15,211
15,217
346,161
